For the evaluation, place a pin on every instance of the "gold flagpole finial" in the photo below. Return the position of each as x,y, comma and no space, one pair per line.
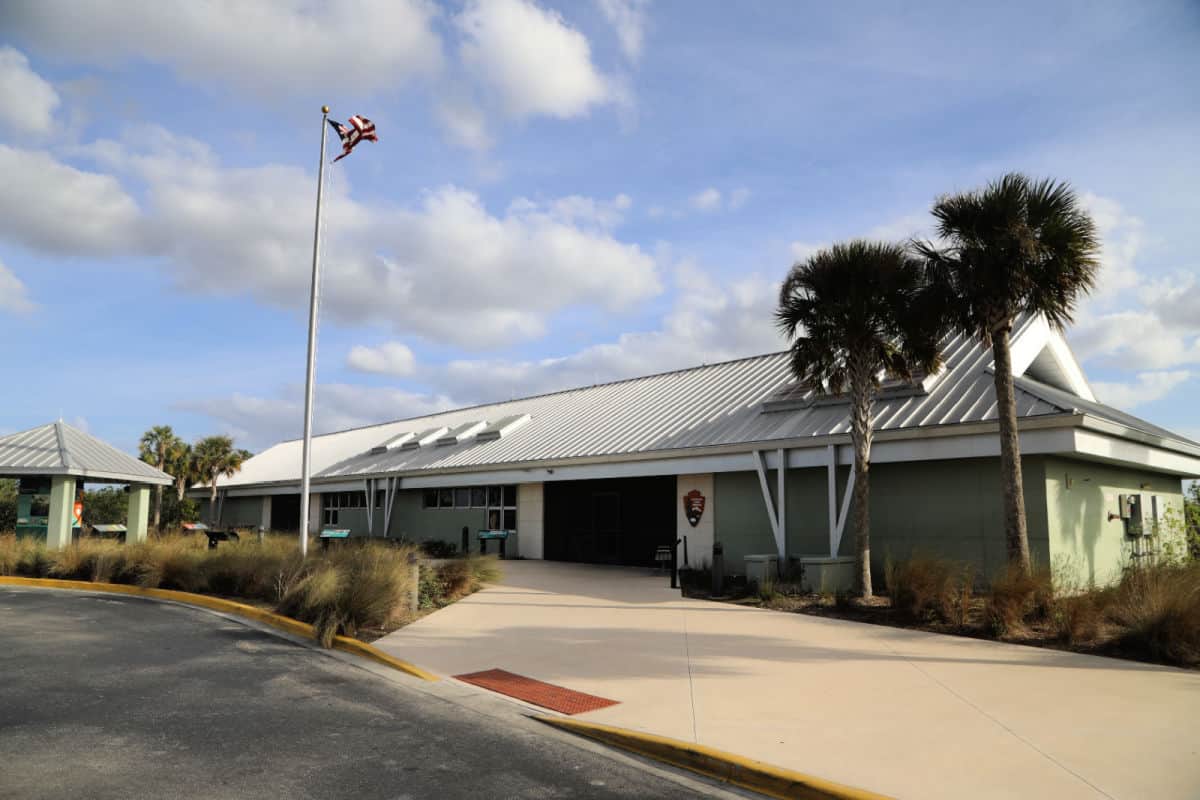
324,109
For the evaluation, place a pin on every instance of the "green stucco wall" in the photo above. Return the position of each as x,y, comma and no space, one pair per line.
419,524
1085,546
241,512
947,508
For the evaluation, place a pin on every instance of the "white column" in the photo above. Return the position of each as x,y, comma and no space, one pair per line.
139,513
530,530
62,501
264,521
314,513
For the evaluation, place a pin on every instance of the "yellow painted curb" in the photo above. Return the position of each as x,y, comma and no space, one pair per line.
738,770
293,626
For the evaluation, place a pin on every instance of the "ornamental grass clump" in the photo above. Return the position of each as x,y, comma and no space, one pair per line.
357,586
1157,609
919,587
352,588
1016,597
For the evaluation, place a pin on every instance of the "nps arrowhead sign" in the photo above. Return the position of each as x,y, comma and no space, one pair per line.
693,506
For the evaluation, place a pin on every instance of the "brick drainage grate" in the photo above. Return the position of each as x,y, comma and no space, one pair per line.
546,695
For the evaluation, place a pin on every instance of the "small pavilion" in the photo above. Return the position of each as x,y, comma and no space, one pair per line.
62,457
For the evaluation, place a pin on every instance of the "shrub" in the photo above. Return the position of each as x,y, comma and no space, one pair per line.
444,583
1015,597
351,588
766,590
484,569
77,561
954,604
1077,618
436,548
1158,610
360,585
315,599
923,588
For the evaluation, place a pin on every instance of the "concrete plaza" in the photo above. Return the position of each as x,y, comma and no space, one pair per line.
905,713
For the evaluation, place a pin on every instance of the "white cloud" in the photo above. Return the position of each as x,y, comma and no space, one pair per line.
389,358
246,230
917,224
536,62
713,199
55,207
464,121
802,251
1148,387
288,47
1135,339
14,297
258,422
707,200
1121,234
708,322
1131,322
27,101
628,18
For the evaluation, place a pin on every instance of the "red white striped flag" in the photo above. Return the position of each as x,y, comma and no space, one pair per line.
360,128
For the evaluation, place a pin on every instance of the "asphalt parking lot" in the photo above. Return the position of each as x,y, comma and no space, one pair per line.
108,697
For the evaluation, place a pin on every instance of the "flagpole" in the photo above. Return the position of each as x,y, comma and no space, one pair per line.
311,368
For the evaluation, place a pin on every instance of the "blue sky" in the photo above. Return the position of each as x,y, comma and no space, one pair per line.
563,193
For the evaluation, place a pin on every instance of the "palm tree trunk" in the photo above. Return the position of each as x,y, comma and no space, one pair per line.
158,493
862,398
212,502
1016,534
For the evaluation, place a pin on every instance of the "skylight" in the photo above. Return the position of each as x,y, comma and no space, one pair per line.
461,433
392,443
428,436
502,427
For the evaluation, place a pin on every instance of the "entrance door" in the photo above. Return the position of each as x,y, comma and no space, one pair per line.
285,512
611,521
606,528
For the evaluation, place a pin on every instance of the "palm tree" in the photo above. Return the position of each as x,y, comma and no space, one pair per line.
155,448
181,465
854,313
1016,246
216,456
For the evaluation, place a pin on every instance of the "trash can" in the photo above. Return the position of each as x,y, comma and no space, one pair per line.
762,568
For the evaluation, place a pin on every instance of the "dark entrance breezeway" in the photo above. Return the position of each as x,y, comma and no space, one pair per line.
615,521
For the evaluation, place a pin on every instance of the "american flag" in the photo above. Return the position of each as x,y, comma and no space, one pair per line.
359,128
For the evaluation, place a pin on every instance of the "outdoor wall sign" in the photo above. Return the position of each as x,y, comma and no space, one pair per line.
693,506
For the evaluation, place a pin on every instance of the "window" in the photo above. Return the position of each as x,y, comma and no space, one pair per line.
502,508
332,502
39,506
380,497
499,502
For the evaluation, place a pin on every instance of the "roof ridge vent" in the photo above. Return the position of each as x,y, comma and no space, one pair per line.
502,427
392,443
425,437
462,433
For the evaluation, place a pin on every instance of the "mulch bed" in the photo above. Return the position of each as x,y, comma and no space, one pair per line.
878,611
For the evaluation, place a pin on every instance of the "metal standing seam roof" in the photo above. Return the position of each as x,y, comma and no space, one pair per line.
710,405
59,449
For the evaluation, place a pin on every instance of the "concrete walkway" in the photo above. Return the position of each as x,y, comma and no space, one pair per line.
905,713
